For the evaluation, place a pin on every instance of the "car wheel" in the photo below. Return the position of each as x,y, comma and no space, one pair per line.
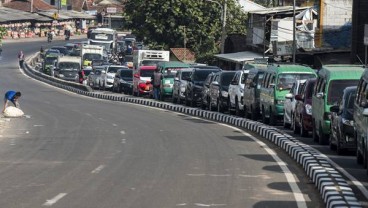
238,112
339,150
303,131
264,119
286,125
314,132
359,158
272,118
219,107
323,138
174,99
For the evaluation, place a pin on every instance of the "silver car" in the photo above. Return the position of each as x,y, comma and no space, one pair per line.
94,78
180,83
290,102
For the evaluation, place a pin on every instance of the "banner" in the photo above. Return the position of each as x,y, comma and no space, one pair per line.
63,2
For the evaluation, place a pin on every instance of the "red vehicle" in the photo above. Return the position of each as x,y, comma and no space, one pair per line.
303,109
142,80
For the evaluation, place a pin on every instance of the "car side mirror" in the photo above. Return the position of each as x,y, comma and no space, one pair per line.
365,112
215,83
289,96
335,108
298,97
320,95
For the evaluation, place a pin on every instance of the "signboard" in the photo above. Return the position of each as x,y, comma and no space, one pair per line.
366,34
282,48
111,10
63,2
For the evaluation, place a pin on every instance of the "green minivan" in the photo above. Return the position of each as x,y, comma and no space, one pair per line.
168,70
277,81
331,81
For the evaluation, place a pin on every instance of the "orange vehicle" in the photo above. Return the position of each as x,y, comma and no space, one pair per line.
142,80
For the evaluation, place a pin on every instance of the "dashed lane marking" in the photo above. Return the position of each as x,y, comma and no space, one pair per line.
52,201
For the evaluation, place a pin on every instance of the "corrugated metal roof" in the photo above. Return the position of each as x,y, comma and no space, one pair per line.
274,10
67,14
239,57
248,5
11,15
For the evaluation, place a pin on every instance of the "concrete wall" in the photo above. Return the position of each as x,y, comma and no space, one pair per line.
335,23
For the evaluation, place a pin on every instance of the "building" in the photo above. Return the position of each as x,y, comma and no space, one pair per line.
360,18
25,5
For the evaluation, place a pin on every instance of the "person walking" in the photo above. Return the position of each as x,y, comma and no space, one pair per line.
13,97
156,80
21,59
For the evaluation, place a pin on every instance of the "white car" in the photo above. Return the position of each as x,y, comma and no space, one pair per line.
236,90
107,77
290,102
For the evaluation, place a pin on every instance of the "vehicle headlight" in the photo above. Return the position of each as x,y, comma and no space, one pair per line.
61,75
224,94
280,102
308,109
182,88
347,122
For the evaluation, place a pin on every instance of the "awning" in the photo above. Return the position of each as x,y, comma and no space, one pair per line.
239,57
13,15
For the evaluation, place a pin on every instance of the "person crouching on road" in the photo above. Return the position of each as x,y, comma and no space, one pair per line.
13,97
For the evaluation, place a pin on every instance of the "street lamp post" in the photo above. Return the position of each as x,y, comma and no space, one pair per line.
223,19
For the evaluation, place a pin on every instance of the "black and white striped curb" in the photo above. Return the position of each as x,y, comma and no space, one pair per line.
332,186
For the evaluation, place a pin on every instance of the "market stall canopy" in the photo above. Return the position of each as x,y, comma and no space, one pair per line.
13,15
239,57
248,6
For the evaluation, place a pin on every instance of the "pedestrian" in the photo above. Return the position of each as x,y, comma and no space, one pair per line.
13,97
156,80
21,59
81,76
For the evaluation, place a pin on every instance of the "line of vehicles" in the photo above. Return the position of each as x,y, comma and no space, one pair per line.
330,105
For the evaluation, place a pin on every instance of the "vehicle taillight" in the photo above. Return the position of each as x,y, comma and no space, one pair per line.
142,85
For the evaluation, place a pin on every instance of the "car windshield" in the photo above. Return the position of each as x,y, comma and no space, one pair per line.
286,81
50,60
335,89
201,75
349,105
69,65
91,56
150,62
226,78
185,75
147,73
113,69
126,73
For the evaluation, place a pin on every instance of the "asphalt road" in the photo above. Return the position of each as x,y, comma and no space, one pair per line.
72,151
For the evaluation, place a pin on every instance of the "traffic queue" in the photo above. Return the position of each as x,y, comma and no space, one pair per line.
329,104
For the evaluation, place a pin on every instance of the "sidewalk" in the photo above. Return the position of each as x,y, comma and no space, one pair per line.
22,40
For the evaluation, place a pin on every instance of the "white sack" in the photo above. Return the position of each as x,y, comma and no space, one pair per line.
13,112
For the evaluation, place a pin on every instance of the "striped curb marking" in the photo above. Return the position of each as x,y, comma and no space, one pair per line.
333,188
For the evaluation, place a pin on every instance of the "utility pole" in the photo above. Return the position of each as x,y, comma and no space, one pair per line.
294,33
185,44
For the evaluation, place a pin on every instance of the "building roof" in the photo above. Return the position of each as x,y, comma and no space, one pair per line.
180,53
239,57
25,5
13,15
77,5
67,14
248,6
275,10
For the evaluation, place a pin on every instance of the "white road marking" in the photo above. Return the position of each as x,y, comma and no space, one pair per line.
122,132
38,125
27,116
298,195
123,141
27,132
52,201
115,125
196,174
209,205
182,204
98,169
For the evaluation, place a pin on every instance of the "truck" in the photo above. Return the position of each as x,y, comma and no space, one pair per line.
149,57
105,37
67,68
91,52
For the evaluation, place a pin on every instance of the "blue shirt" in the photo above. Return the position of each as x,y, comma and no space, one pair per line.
10,95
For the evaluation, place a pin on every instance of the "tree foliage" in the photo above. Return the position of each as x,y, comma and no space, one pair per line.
165,23
2,33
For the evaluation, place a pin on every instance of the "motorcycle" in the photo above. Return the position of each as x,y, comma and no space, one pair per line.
67,35
49,37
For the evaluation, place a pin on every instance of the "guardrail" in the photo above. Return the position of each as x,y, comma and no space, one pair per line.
334,189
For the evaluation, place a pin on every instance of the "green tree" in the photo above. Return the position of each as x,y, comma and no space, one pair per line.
2,33
165,23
